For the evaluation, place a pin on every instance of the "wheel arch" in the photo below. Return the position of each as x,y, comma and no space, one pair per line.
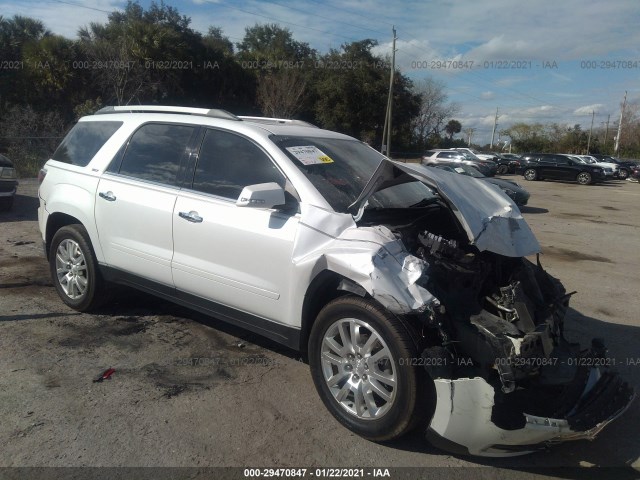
329,285
322,289
55,222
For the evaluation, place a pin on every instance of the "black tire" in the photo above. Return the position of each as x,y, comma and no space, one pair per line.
584,178
6,203
76,239
503,169
411,398
530,174
623,174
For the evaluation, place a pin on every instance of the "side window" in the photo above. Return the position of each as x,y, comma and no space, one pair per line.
448,155
561,160
83,142
227,163
155,151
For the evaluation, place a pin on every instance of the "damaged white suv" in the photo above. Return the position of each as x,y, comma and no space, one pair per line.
407,286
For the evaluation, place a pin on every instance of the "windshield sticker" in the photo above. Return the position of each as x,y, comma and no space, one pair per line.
459,170
309,155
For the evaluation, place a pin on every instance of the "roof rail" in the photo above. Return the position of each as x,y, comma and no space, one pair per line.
277,121
215,113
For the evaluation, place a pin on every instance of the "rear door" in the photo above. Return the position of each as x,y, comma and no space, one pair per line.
547,167
238,257
136,197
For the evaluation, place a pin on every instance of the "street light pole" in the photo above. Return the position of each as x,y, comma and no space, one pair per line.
386,131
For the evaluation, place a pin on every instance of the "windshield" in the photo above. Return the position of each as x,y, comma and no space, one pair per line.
340,168
467,170
468,156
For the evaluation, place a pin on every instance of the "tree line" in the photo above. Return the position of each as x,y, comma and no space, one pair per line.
154,56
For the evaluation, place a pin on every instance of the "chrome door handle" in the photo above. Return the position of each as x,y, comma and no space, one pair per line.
109,196
191,216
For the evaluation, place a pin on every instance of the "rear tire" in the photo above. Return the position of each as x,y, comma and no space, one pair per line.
6,204
503,169
623,174
74,269
360,357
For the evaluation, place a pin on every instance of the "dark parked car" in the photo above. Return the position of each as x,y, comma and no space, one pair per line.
556,166
625,167
506,163
8,183
514,191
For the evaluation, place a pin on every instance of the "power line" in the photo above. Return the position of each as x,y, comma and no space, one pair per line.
273,19
320,16
377,20
83,6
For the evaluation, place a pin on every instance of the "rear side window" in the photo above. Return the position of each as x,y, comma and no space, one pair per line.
155,152
83,142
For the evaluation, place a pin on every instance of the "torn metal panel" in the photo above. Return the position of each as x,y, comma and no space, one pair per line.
371,257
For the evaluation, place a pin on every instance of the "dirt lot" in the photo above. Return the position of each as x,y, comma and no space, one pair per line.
191,391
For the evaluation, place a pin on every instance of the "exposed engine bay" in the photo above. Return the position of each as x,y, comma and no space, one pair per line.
500,320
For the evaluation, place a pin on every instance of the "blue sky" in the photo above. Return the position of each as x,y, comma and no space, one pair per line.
591,50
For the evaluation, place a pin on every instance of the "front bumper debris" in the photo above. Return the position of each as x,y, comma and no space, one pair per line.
463,419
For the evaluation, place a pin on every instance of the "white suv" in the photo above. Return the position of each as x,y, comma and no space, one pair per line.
406,286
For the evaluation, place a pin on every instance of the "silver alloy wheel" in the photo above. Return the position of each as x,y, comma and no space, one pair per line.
359,368
584,178
622,174
530,174
71,269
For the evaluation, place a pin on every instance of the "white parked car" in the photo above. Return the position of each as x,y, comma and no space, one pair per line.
610,169
476,153
406,286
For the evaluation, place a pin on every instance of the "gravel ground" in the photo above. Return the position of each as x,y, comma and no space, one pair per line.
190,391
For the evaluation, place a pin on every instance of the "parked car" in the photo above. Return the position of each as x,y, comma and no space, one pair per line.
552,166
625,167
407,286
506,164
8,183
610,169
434,157
514,191
482,156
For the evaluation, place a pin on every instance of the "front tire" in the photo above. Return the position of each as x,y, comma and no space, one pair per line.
623,174
584,178
503,169
530,174
360,360
74,269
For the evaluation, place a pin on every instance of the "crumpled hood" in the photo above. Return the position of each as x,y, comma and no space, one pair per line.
491,220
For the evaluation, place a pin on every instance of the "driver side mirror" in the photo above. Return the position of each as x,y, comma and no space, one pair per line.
261,195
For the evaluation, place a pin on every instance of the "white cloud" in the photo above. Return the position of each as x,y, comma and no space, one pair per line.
487,95
587,109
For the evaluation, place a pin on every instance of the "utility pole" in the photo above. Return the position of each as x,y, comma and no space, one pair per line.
495,124
469,132
593,114
386,131
606,131
624,104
